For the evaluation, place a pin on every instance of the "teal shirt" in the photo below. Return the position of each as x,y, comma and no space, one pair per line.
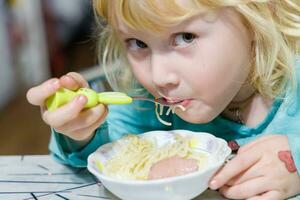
138,117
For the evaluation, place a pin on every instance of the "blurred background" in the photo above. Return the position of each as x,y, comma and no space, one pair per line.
39,39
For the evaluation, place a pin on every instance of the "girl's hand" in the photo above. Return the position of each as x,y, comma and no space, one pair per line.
257,172
70,119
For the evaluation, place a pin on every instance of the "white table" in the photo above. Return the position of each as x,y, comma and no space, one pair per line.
40,177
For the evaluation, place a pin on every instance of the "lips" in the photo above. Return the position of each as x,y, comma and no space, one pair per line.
172,101
183,102
186,102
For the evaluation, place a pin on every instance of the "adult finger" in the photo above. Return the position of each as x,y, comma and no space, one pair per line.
37,95
247,189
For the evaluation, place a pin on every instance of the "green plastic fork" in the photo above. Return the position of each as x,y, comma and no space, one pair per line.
63,96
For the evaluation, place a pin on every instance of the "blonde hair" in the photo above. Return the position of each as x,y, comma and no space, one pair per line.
275,26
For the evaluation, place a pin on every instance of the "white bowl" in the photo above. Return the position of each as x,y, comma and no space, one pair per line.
174,188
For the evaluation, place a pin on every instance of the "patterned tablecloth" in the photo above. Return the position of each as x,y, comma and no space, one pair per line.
40,177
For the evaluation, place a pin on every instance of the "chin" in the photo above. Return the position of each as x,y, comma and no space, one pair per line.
196,118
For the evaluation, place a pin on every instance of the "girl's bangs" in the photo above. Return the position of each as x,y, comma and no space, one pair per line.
154,16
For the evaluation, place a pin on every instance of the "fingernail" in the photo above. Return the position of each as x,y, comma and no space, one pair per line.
213,185
66,77
81,99
56,84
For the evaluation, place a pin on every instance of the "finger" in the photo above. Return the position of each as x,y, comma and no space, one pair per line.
237,165
73,81
84,133
38,94
69,82
65,113
248,146
271,195
247,189
254,171
254,143
85,119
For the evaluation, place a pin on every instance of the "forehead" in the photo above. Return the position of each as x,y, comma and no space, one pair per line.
153,16
201,20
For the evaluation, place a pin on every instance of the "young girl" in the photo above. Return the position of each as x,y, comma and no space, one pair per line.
232,66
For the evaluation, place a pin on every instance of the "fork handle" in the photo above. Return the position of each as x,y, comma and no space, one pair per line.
63,96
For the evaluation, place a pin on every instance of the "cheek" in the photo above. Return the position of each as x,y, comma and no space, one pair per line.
221,72
141,72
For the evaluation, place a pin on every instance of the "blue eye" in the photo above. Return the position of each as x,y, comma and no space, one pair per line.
135,44
182,39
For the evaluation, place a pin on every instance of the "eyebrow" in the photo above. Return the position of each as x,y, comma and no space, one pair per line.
125,32
120,31
187,23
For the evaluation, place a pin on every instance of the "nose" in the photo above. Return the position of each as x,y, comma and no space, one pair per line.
164,73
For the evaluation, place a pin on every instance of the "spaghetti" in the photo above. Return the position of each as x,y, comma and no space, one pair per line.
136,155
171,108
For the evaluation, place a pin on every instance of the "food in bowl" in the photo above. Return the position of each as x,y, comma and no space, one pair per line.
142,158
196,156
172,166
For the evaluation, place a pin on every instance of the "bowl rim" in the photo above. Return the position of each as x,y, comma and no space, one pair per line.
218,164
